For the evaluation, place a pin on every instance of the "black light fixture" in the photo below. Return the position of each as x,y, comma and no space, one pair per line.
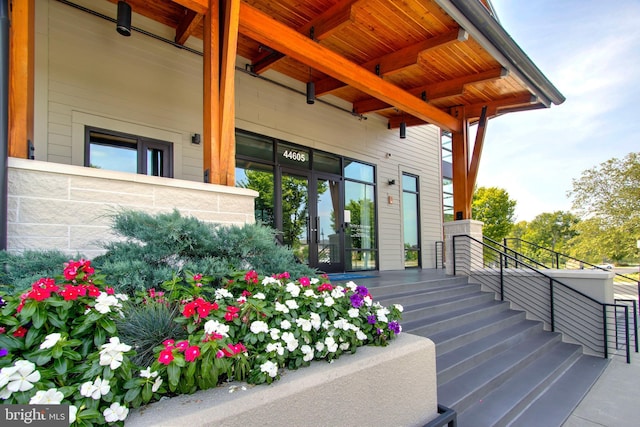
123,23
311,92
195,138
403,129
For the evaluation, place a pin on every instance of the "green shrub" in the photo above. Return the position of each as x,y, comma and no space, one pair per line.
155,247
20,270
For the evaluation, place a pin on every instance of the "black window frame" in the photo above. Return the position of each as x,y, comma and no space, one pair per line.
142,144
416,193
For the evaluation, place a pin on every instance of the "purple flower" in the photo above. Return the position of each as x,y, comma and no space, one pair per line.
362,291
379,331
3,352
395,327
371,319
2,302
356,300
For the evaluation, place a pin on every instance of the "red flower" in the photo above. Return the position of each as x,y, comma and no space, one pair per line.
189,309
93,290
246,293
325,287
233,349
168,343
197,277
191,353
109,290
284,275
2,330
73,268
182,345
251,277
20,332
70,293
232,313
165,357
39,294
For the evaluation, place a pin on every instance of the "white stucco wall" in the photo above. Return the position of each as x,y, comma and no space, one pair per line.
87,74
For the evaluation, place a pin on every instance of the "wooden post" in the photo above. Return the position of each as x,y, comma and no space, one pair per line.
21,76
211,104
460,166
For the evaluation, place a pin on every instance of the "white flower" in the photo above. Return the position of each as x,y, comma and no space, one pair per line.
122,297
315,320
381,314
23,377
309,293
49,397
361,335
259,295
112,353
314,280
308,353
293,289
351,285
285,324
319,346
367,301
241,300
326,324
73,411
275,346
213,326
281,307
223,293
6,373
156,385
115,412
399,307
269,280
292,304
331,344
269,368
275,333
95,390
259,326
104,303
328,301
146,373
5,394
337,292
344,346
342,324
353,312
50,340
304,324
290,340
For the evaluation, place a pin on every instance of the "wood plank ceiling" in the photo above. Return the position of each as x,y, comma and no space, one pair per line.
411,44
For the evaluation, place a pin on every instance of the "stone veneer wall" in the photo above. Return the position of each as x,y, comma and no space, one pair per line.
69,208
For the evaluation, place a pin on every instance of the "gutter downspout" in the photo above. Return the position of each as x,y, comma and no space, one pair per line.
4,120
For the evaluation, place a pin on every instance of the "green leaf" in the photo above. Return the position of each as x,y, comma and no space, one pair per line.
99,337
33,337
56,351
55,321
173,372
71,355
108,325
39,316
29,309
60,365
43,359
147,392
132,394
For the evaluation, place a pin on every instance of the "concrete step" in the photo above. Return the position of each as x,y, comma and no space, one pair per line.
426,294
502,405
382,291
474,385
421,307
558,401
464,358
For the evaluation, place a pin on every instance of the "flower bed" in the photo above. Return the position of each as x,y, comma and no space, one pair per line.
60,341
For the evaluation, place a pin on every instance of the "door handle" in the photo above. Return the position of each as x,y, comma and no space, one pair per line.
317,229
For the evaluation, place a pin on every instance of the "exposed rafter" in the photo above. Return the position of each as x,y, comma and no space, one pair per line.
266,30
474,111
397,61
199,6
434,91
187,26
320,28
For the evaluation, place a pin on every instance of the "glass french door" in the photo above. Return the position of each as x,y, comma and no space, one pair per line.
312,218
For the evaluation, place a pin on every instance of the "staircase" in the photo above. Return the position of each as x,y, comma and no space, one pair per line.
495,367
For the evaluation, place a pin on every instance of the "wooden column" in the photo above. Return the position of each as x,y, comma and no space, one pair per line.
211,105
460,166
477,153
21,76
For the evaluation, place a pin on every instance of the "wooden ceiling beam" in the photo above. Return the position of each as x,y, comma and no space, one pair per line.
187,26
474,111
264,29
446,89
399,60
199,6
324,25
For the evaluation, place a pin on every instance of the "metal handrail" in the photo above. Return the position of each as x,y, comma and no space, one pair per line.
439,244
516,254
553,284
446,416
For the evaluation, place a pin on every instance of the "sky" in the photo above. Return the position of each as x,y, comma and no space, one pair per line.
590,51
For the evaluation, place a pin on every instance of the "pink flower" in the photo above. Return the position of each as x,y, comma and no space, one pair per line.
182,345
251,277
304,282
165,357
168,343
325,287
109,290
191,353
189,309
219,354
197,277
20,332
232,313
70,293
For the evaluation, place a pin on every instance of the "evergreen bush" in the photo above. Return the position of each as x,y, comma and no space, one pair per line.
20,270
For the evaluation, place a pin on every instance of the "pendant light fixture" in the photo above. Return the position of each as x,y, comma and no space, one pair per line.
403,128
123,23
311,90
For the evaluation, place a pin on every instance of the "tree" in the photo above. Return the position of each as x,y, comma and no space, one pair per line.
493,206
610,195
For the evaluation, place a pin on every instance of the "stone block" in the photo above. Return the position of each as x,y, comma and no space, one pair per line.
25,183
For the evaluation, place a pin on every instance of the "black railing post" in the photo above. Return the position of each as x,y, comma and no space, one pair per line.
506,251
502,278
557,260
626,323
635,323
551,303
615,316
606,336
453,254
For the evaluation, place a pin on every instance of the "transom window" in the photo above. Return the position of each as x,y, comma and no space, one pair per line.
116,151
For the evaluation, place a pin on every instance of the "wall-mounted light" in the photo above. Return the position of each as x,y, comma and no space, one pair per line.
311,92
391,182
403,129
195,138
123,23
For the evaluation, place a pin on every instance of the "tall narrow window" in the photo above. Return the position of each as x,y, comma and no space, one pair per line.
105,149
411,220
